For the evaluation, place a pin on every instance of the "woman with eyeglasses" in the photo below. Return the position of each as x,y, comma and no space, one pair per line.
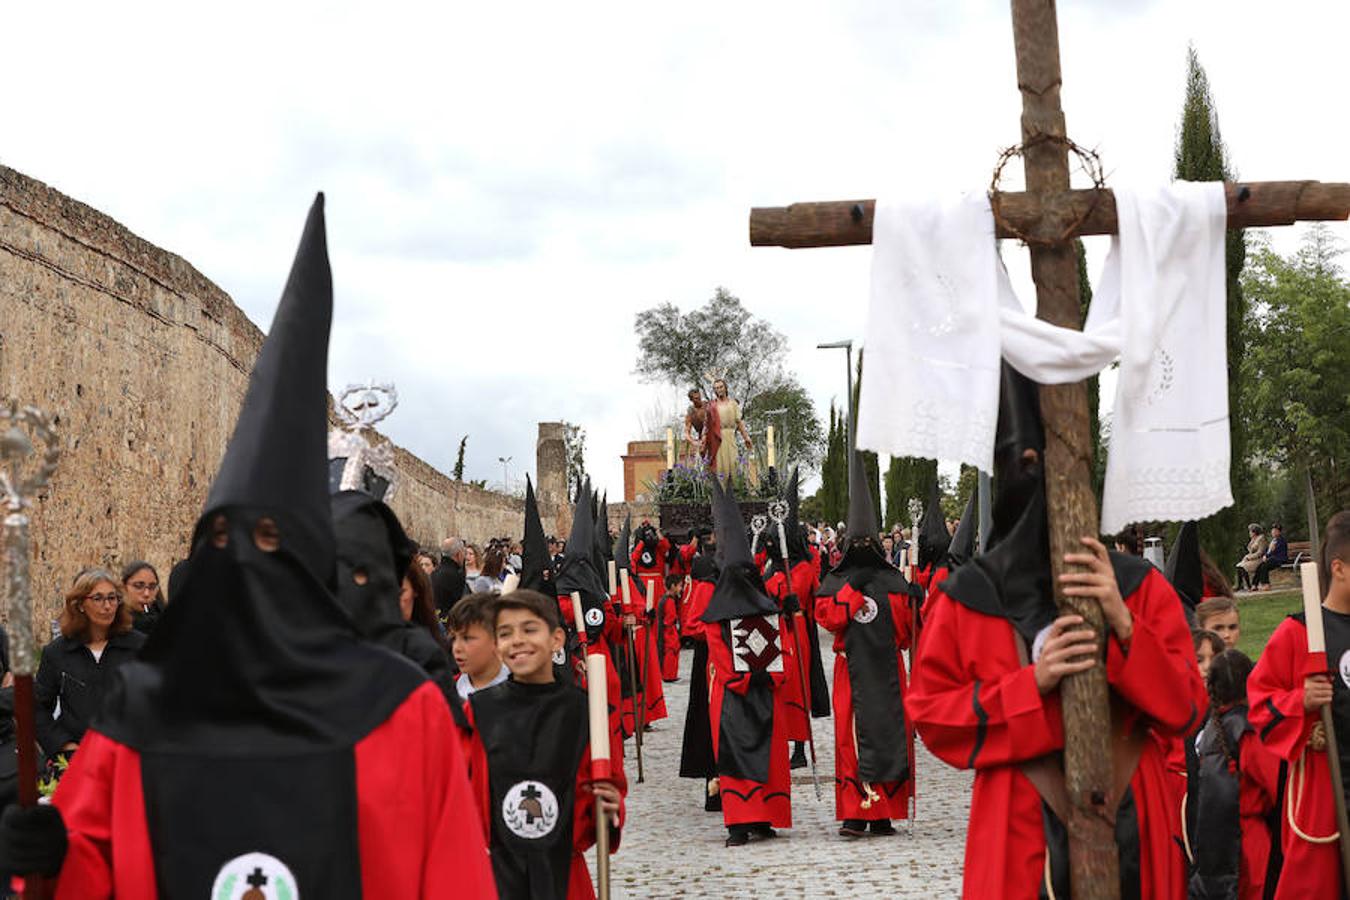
77,667
146,599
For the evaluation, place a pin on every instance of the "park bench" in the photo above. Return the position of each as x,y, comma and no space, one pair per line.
1299,552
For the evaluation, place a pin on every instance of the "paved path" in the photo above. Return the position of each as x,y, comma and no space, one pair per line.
672,848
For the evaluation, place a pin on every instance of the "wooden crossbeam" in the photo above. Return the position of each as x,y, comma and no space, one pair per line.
1251,204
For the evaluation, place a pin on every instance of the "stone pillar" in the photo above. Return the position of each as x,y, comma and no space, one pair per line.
551,474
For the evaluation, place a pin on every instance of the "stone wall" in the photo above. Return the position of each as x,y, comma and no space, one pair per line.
145,363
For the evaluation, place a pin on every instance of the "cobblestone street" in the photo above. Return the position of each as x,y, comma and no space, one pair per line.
672,848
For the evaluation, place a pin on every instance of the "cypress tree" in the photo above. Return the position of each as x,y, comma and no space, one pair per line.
1200,155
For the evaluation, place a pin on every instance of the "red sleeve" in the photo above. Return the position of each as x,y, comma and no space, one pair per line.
835,613
974,706
583,811
1157,673
1260,783
431,842
85,799
478,774
902,616
695,605
1275,692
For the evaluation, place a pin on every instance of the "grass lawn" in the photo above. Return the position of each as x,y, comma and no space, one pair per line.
1260,614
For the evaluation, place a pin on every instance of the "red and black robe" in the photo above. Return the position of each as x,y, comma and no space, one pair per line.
869,693
417,826
976,705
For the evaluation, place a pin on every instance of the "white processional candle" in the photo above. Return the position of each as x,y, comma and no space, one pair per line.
579,615
771,447
613,580
598,705
1312,607
651,595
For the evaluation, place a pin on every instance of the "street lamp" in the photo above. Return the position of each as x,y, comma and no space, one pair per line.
847,347
506,483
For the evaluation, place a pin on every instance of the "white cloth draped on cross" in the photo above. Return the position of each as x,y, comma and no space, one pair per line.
943,311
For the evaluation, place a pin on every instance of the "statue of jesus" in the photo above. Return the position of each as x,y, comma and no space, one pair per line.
722,454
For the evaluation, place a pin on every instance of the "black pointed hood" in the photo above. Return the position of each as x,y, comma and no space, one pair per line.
255,655
623,546
578,572
739,591
962,547
796,541
1011,578
863,565
933,536
1183,566
370,541
536,565
604,544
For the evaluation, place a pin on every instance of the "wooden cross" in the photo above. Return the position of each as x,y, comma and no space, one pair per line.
1045,213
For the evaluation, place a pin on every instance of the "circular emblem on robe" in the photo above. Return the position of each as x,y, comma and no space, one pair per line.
867,612
530,810
1345,668
559,657
255,876
646,558
595,617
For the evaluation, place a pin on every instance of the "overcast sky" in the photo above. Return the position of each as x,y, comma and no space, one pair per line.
509,183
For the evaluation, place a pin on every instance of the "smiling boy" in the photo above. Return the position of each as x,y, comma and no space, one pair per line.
475,646
530,760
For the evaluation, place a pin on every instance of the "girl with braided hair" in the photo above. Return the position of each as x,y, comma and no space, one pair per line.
1235,792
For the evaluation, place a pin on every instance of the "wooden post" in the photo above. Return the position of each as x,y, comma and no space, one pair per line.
1093,858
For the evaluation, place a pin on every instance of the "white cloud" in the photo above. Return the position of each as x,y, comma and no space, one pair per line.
510,183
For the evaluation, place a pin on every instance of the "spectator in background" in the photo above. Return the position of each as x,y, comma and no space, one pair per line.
1256,552
146,599
513,559
417,604
473,562
448,581
490,579
1276,555
77,667
425,561
1219,615
1207,646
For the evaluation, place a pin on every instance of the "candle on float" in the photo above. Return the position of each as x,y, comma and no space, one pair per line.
670,448
771,457
1312,608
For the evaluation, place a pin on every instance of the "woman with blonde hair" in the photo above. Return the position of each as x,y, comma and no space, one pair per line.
77,667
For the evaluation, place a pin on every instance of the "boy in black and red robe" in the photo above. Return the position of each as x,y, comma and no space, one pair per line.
177,789
985,688
1286,693
531,762
869,610
745,673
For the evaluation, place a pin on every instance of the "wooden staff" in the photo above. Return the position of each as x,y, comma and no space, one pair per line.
597,706
16,496
1317,664
778,512
639,697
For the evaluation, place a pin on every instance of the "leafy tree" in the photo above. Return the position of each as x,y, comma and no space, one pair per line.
458,472
1200,155
797,432
574,447
1297,410
723,339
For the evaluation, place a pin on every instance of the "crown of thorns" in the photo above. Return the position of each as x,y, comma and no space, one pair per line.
1092,165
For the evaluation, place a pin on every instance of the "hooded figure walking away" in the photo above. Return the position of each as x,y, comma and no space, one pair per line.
745,674
985,692
869,610
258,739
